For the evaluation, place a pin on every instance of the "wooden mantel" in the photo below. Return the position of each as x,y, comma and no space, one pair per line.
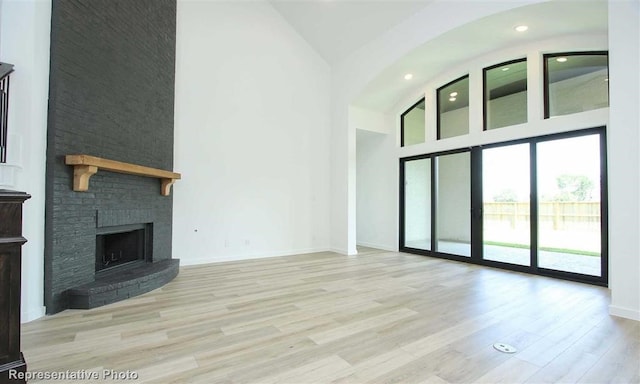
85,166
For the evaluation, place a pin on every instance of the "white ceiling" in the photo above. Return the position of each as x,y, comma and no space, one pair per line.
545,20
335,28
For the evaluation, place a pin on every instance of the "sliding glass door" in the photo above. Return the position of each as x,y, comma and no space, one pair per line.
536,205
506,204
569,205
453,203
417,199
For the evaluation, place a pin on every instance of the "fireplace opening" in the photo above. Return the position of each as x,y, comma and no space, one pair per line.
123,246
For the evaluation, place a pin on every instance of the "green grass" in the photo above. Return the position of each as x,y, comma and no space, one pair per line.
548,249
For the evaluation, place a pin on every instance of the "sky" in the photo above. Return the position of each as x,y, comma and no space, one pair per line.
508,167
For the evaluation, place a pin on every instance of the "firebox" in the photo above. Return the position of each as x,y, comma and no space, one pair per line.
123,246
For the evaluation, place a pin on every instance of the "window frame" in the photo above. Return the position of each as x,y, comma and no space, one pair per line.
545,74
485,91
411,108
438,132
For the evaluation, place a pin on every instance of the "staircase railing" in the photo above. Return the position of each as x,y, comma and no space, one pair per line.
5,71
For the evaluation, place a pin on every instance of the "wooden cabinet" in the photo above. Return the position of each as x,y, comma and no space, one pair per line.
11,241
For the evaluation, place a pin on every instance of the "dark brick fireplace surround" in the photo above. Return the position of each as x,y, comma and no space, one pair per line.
111,95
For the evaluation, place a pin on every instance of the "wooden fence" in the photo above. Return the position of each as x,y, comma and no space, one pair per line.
559,215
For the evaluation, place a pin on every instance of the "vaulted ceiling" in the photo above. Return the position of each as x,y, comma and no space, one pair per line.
336,28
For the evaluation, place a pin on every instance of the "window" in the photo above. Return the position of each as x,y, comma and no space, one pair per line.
506,203
412,125
533,205
569,182
505,94
417,204
453,203
453,109
575,82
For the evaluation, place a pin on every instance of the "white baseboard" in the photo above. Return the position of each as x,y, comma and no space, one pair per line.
378,246
627,313
241,257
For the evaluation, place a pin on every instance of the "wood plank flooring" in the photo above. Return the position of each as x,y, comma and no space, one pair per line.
379,317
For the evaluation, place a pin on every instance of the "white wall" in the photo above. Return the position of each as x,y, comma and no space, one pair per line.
251,135
377,178
24,31
368,120
623,163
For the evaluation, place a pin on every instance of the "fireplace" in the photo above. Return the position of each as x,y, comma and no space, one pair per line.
84,117
126,261
124,246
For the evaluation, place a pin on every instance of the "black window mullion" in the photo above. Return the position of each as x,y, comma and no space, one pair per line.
402,204
604,210
476,204
434,202
533,204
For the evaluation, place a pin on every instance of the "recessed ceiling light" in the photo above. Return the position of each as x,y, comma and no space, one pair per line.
408,76
505,69
561,59
452,99
453,94
521,28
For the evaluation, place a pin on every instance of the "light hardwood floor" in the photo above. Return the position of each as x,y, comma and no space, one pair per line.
379,317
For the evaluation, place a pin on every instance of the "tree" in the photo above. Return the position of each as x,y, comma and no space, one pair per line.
506,196
574,188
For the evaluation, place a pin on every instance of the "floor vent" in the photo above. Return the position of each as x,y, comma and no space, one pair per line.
505,348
